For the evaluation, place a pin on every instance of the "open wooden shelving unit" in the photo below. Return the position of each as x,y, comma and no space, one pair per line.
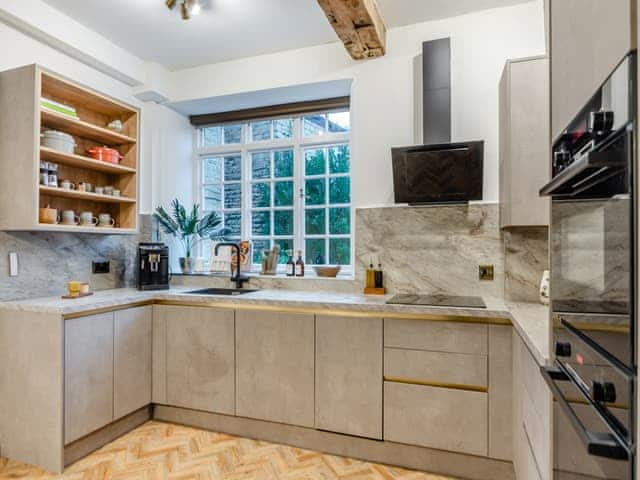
21,123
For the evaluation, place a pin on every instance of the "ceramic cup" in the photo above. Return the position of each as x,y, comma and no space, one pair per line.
116,193
84,187
48,215
88,220
105,220
108,190
68,185
69,217
99,190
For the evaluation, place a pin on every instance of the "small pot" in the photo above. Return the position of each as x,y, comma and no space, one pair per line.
187,264
105,154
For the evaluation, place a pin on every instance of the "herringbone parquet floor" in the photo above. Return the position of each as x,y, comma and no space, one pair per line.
163,451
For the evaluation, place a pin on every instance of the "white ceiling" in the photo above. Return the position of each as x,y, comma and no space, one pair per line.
230,29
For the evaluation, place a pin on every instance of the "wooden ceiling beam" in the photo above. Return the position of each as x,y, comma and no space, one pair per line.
359,26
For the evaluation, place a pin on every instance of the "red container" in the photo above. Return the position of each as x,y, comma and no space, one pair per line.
105,154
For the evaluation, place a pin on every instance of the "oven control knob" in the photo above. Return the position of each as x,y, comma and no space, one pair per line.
603,392
563,349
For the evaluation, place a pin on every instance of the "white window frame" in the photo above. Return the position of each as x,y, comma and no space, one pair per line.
298,143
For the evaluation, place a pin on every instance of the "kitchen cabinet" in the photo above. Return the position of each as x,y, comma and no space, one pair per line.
88,388
442,418
275,366
21,153
132,360
524,147
532,407
199,357
349,375
588,39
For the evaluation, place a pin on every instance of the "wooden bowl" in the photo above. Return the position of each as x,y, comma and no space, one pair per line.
330,272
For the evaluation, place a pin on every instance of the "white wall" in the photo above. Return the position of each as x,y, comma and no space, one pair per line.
383,100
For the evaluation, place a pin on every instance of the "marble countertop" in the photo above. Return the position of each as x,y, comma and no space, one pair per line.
530,320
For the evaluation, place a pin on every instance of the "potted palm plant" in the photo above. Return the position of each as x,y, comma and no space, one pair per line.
189,229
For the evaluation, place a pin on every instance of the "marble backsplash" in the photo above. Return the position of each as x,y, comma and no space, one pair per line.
47,261
526,257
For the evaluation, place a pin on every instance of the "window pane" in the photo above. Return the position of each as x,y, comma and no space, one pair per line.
283,222
258,247
283,128
232,168
261,195
339,221
339,190
314,220
232,197
212,170
283,164
261,165
212,197
232,133
286,245
313,125
211,136
261,223
340,251
314,163
283,194
315,251
339,159
233,222
339,122
315,191
261,131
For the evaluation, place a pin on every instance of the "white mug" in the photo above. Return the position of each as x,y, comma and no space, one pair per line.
105,220
108,190
99,190
88,220
69,217
68,185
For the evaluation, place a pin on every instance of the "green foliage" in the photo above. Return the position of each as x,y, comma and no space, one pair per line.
189,228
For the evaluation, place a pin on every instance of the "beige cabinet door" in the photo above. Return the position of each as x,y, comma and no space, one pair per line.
275,366
524,142
199,357
588,39
349,375
132,362
88,375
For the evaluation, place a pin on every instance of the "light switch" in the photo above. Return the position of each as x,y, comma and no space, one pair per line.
13,264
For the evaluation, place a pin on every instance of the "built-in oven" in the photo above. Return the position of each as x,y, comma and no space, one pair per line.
592,251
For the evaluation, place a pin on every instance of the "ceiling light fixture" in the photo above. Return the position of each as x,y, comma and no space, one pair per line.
187,7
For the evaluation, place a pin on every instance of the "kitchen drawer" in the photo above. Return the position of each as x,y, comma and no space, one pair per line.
442,418
436,367
454,337
538,430
530,376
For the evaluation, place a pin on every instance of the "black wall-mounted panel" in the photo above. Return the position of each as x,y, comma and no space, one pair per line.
436,79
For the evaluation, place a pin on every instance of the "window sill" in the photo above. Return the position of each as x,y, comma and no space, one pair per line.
280,276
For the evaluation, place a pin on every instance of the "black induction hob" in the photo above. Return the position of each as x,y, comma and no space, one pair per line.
437,300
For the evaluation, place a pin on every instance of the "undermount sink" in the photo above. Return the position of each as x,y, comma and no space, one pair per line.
221,291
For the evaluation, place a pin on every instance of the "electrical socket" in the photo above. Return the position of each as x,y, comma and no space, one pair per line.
100,266
485,272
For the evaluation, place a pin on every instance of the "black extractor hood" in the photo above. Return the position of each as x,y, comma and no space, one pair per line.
437,171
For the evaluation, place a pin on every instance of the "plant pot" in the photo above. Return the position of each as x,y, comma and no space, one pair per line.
187,264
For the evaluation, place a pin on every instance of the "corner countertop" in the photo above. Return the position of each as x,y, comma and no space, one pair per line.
530,320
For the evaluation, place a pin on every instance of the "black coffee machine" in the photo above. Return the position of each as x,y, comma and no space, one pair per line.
153,266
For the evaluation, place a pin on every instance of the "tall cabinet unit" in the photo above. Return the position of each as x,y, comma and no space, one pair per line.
588,39
22,193
524,142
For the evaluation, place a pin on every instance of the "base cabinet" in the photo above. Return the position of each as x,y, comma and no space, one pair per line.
442,418
199,359
275,366
349,375
88,387
132,360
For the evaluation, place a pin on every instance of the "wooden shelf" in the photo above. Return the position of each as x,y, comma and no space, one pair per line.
80,161
79,229
94,197
83,129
